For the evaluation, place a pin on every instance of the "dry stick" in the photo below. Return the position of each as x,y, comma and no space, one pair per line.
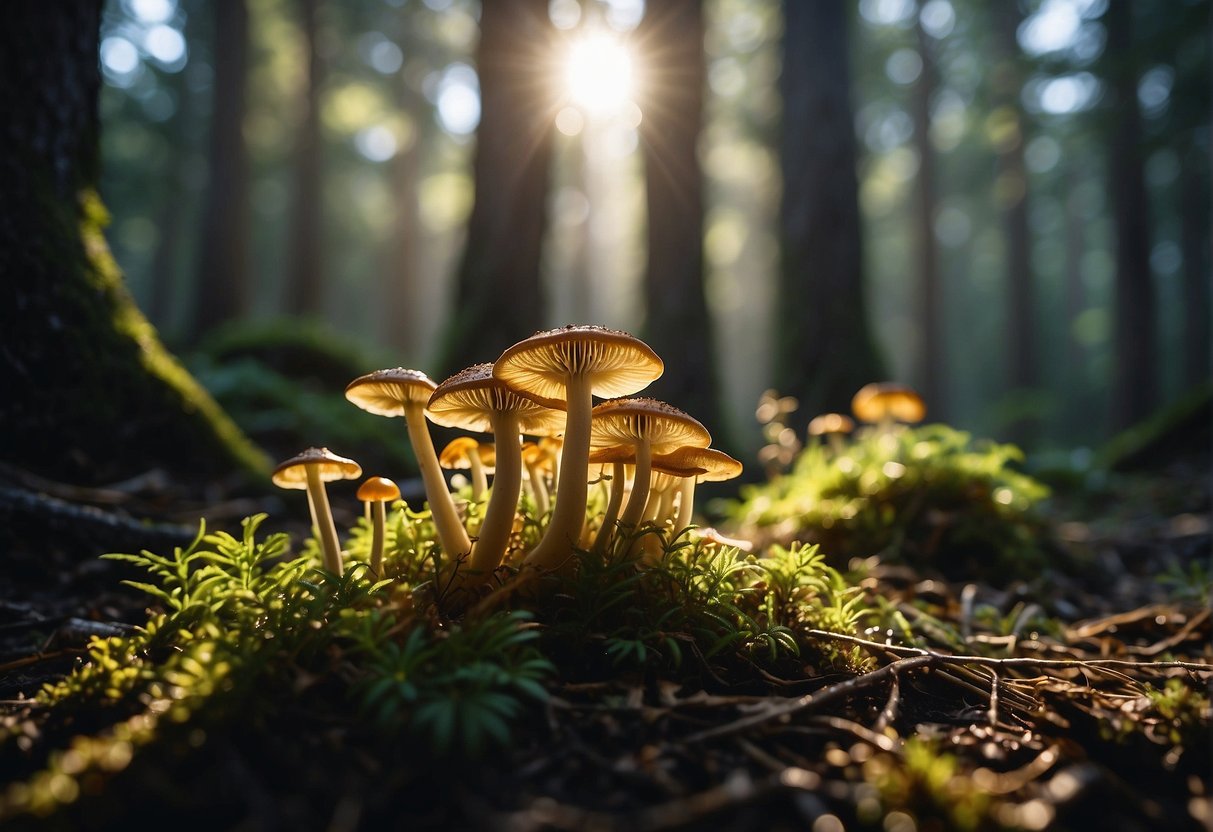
889,713
993,698
1026,662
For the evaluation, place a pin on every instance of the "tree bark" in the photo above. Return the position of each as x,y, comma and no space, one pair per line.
221,289
90,395
1194,245
1134,384
678,324
1012,194
498,296
933,361
824,350
305,256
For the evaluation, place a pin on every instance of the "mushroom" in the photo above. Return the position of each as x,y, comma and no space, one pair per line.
885,402
474,400
401,392
618,457
567,367
463,452
712,465
833,426
534,459
375,492
650,426
309,471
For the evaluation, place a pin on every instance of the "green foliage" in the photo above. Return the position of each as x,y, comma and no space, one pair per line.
929,496
929,786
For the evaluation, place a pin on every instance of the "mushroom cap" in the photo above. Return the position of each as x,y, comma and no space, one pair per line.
886,399
386,392
617,364
615,453
830,423
626,421
488,455
378,489
455,454
468,399
707,464
293,472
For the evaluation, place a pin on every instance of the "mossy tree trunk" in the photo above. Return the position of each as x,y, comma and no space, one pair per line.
90,394
677,322
825,352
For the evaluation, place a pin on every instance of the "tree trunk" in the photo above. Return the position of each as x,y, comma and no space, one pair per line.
221,291
933,361
401,271
1134,384
678,325
824,350
1194,245
498,296
1012,195
305,256
90,395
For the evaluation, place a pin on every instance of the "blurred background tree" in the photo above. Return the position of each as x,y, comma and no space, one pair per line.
1007,203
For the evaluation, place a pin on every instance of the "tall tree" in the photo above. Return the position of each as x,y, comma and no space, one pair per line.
678,325
305,261
1134,385
498,296
933,361
1012,195
825,352
89,392
221,288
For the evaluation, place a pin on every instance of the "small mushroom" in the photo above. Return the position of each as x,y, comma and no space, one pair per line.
376,492
884,402
401,392
536,460
833,426
566,368
619,458
309,471
714,465
474,400
650,426
463,453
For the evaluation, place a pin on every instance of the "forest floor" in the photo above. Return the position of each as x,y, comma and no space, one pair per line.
1077,705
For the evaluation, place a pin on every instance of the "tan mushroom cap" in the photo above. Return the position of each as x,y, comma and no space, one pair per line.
468,399
888,400
455,454
708,464
617,363
828,423
386,392
627,421
378,489
487,451
293,472
615,453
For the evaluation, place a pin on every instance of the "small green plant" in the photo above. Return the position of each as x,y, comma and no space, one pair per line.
929,496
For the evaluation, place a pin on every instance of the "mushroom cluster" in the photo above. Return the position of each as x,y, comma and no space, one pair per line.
650,452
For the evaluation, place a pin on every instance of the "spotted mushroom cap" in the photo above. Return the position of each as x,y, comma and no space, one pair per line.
828,423
707,464
378,489
293,472
617,363
386,392
625,421
467,400
887,399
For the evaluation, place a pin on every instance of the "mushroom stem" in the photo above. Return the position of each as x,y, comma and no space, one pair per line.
451,535
686,503
480,479
634,511
564,529
378,523
607,529
665,508
499,516
539,488
329,543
